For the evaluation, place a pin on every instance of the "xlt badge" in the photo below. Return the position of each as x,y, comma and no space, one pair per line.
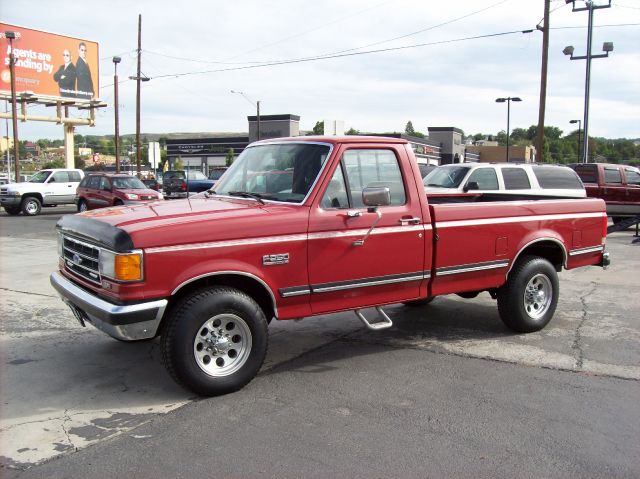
271,259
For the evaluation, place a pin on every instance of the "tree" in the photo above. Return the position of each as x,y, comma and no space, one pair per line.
230,157
318,129
352,131
178,165
409,129
57,163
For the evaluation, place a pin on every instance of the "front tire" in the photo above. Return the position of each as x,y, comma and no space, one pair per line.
82,206
528,300
31,206
12,210
215,341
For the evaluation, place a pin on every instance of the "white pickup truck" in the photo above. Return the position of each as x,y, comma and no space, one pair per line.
51,187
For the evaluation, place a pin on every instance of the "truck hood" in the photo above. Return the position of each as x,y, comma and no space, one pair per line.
22,187
179,222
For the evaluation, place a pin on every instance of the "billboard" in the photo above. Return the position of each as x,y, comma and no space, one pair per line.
49,65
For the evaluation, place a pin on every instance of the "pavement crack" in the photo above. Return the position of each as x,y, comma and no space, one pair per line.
577,345
66,418
30,293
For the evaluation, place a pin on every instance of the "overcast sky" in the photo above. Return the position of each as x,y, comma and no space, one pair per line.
447,82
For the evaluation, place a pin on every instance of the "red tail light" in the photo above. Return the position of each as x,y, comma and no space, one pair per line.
183,186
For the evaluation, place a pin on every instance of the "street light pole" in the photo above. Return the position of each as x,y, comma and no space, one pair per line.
14,110
508,99
606,47
579,122
256,105
116,60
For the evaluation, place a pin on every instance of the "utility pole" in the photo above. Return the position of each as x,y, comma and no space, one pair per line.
543,82
14,110
116,60
138,80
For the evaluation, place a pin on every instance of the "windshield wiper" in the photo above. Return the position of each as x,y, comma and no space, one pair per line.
433,184
208,193
246,194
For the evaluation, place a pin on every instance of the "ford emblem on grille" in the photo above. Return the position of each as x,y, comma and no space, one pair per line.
77,259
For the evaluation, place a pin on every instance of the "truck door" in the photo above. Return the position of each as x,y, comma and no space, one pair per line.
633,189
613,189
388,266
60,189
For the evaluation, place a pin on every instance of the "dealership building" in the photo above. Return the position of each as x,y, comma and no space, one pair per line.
444,145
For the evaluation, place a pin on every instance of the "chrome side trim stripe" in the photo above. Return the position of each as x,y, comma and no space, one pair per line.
592,249
353,284
469,268
286,238
516,219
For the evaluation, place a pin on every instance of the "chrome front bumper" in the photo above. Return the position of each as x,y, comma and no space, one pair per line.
129,322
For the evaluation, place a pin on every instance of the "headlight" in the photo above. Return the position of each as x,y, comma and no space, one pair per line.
121,266
131,196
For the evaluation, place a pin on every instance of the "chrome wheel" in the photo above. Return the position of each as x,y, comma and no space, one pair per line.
538,296
222,345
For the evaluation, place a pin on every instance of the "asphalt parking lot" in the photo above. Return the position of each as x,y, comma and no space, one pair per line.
448,391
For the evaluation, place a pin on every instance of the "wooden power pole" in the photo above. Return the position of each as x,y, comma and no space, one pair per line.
138,80
543,82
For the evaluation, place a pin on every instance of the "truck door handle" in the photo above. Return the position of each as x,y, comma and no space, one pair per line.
410,221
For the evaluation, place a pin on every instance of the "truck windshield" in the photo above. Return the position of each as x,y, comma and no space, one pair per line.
40,176
276,172
447,176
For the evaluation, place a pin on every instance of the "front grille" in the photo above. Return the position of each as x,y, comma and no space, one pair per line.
82,258
3,191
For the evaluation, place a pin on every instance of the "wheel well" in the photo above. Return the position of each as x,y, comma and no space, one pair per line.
550,250
38,196
246,284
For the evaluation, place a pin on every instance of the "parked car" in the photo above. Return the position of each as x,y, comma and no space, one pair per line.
217,172
99,190
180,183
507,178
52,187
425,168
617,185
152,184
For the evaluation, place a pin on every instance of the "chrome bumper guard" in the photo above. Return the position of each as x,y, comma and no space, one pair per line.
606,260
129,322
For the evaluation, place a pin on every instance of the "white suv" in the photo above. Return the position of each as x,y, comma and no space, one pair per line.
52,187
506,178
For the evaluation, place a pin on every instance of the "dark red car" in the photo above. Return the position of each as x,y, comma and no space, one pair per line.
99,190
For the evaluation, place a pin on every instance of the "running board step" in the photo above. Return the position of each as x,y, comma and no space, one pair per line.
384,324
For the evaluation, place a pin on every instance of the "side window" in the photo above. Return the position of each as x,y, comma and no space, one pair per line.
557,177
74,176
587,173
486,178
93,182
373,168
60,177
336,194
515,179
633,177
84,182
104,183
612,175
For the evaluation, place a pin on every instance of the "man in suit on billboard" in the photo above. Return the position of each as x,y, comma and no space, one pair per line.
66,76
84,85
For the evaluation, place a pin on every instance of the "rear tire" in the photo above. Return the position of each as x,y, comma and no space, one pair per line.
528,300
12,210
82,206
215,341
31,206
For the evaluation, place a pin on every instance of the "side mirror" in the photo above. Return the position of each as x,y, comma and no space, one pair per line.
472,185
373,196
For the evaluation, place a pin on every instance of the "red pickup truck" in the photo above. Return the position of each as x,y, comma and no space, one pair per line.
347,227
618,185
